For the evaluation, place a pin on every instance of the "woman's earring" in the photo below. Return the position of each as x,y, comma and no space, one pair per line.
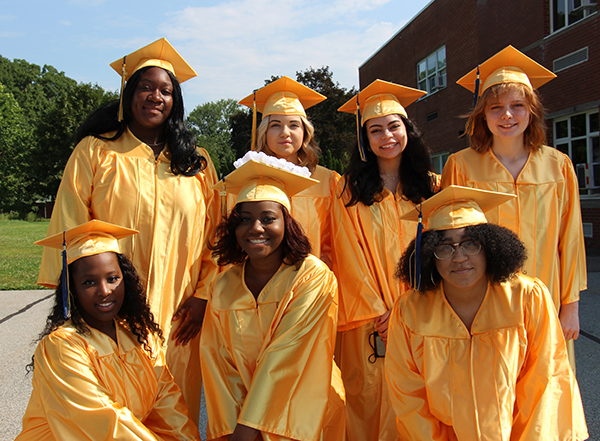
432,281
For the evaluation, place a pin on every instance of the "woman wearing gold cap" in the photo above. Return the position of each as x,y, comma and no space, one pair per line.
389,172
142,171
269,332
507,134
285,132
476,351
99,371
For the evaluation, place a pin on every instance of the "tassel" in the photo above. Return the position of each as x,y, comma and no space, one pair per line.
253,146
361,143
65,281
417,278
476,88
123,74
223,194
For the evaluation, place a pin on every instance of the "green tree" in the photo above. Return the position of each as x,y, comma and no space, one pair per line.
15,142
53,105
210,123
334,131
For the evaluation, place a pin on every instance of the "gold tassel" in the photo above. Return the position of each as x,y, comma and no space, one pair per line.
123,74
253,145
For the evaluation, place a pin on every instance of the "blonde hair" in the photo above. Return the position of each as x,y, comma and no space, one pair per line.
309,152
480,136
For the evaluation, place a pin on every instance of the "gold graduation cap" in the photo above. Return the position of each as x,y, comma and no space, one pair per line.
92,237
256,181
507,66
457,207
88,239
158,54
284,96
380,98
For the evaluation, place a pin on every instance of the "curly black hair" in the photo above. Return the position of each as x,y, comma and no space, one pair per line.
295,245
363,181
135,312
185,158
505,254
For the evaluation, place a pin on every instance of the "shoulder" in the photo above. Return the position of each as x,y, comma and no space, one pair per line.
63,340
322,173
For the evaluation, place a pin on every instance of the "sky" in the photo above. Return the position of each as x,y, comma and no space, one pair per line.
233,45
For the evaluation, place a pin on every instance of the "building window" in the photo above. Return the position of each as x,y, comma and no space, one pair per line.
439,160
431,71
578,136
567,12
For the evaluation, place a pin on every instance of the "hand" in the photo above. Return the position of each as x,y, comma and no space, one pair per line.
381,325
192,313
569,320
244,433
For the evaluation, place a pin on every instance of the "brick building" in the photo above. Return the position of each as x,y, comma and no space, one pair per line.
448,38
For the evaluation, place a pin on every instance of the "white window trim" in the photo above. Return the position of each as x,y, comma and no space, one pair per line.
427,77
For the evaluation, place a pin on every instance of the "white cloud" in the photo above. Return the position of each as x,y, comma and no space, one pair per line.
235,46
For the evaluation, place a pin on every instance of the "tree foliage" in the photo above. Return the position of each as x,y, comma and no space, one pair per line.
53,106
15,135
210,124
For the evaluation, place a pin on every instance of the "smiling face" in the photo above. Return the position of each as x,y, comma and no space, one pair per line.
284,137
508,114
261,231
461,272
387,136
152,101
97,281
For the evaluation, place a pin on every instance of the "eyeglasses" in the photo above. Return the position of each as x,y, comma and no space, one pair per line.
447,250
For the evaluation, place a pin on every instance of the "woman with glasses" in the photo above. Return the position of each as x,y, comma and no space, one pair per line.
475,349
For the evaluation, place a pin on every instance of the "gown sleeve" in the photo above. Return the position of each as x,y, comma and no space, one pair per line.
76,403
72,205
225,389
571,245
359,291
288,395
452,174
546,382
169,418
407,390
208,267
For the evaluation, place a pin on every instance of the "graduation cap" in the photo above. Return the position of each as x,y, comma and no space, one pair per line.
507,66
380,98
260,179
88,239
284,96
158,54
452,208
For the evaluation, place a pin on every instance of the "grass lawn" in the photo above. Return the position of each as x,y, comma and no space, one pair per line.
19,257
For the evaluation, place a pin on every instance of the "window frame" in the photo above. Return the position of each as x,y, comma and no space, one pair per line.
433,74
587,11
589,136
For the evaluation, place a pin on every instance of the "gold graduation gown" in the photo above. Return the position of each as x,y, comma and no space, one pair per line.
268,363
87,387
312,209
545,215
507,379
368,242
121,182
